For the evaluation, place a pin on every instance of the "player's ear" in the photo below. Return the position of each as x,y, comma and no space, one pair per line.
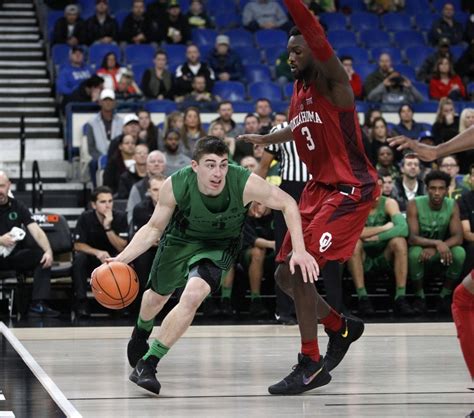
194,165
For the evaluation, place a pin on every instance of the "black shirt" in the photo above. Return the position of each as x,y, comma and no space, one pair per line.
466,207
91,232
142,213
14,213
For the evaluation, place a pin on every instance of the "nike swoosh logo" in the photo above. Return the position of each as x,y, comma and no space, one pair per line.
345,333
308,380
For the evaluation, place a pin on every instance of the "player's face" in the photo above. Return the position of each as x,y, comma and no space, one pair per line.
103,204
300,59
437,191
387,185
4,187
211,170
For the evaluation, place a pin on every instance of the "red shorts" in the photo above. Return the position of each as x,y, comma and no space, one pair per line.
332,221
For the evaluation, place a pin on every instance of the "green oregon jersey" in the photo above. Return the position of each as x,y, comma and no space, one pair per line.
378,217
434,224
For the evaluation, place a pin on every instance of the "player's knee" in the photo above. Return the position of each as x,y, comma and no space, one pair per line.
414,253
150,297
359,248
459,255
194,295
282,277
257,254
398,245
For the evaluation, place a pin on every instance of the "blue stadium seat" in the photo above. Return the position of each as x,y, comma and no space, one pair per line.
116,5
243,107
364,69
229,90
240,37
218,6
417,54
406,70
334,21
271,55
426,107
364,21
288,89
362,107
462,17
138,70
394,53
396,21
359,55
135,54
341,38
204,37
257,72
53,16
457,51
425,20
418,6
248,54
353,5
87,8
205,50
176,53
439,4
470,88
407,38
226,20
270,38
280,106
162,106
423,88
268,90
102,162
120,16
60,54
374,38
98,51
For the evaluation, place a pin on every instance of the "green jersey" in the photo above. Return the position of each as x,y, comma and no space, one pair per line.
434,224
378,217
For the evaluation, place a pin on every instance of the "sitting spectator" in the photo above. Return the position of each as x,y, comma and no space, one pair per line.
354,78
127,89
192,130
173,27
148,131
14,214
225,111
384,6
264,14
446,124
450,165
197,16
469,33
70,28
73,74
111,71
157,9
155,164
264,111
387,183
435,240
370,116
409,186
378,138
283,70
466,120
465,64
445,83
137,28
131,126
175,159
379,75
242,148
385,160
121,161
224,61
426,70
174,120
217,129
382,248
87,92
101,28
157,82
393,91
466,208
101,233
200,96
134,174
446,27
191,68
407,125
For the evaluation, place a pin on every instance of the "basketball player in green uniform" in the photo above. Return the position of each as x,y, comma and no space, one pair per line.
199,219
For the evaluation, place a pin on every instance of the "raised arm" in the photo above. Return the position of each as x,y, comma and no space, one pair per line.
283,135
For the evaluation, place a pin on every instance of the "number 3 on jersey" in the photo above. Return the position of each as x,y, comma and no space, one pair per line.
309,140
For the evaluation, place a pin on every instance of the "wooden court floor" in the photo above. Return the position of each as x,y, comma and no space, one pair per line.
395,370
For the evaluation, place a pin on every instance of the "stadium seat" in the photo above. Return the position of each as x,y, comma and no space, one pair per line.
426,107
364,69
352,5
243,107
271,38
419,6
364,21
97,53
280,106
457,51
470,88
135,54
406,70
362,107
394,53
268,90
60,54
53,16
374,38
226,20
393,22
407,38
359,55
288,89
162,106
439,4
116,5
341,38
87,8
462,17
334,21
271,55
425,20
204,37
248,55
120,16
138,70
218,6
240,38
176,53
205,50
423,89
257,72
417,54
229,90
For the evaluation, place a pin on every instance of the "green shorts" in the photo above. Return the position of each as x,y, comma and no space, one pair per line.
375,259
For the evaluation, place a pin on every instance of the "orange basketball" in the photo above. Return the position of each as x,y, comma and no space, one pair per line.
115,285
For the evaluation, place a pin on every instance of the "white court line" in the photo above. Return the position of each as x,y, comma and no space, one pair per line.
7,414
66,406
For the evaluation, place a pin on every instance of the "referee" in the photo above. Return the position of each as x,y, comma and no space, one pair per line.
294,176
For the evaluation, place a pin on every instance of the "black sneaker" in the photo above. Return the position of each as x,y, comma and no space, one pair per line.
82,309
306,375
401,307
226,308
137,346
419,305
144,376
257,309
40,309
444,305
286,319
340,341
364,307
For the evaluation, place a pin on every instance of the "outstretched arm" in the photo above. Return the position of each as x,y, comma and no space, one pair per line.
283,135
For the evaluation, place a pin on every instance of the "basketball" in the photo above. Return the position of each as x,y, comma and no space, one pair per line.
115,285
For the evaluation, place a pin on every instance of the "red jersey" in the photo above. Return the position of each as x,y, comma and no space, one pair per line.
329,140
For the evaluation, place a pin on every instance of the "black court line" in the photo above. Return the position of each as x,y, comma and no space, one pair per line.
24,395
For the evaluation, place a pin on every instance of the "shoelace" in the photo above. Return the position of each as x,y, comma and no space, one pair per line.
297,370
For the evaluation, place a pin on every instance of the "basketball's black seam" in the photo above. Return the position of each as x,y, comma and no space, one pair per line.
103,291
116,284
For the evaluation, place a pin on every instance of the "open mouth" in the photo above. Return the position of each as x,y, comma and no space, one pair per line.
216,183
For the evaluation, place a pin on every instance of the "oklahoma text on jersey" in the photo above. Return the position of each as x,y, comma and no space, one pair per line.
303,117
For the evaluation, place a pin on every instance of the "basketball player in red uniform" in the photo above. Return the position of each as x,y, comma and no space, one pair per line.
463,297
334,204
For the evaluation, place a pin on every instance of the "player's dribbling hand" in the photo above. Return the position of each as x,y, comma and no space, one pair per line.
253,138
425,152
308,265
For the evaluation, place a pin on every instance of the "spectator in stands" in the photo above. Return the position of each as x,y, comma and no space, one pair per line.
264,14
385,160
142,213
155,164
70,29
157,9
200,96
384,6
426,70
87,92
446,27
225,111
157,82
466,209
111,71
224,61
321,6
469,33
217,129
387,183
192,130
191,68
445,83
148,131
283,70
407,125
197,17
101,28
134,174
465,64
101,232
175,159
393,91
175,120
354,78
382,248
409,186
446,124
378,138
127,89
173,27
369,118
379,75
137,28
121,161
131,126
466,120
242,148
435,240
14,214
450,165
73,74
264,111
